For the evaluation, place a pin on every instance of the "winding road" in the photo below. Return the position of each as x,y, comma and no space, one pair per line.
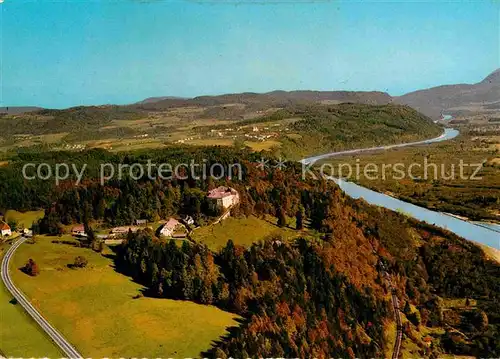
447,134
65,346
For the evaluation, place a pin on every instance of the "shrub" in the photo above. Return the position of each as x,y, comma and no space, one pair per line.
31,268
80,262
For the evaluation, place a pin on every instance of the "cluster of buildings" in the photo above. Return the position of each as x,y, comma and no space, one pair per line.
6,231
261,137
258,134
220,198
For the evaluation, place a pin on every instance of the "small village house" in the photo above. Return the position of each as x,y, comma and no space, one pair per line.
122,230
188,220
27,232
139,222
79,231
173,228
223,197
5,229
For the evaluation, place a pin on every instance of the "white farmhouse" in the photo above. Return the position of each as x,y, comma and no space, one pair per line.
5,229
173,228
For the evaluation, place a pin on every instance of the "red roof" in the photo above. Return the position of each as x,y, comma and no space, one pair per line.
172,223
221,192
4,226
79,228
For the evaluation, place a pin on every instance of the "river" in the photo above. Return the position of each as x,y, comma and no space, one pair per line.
484,233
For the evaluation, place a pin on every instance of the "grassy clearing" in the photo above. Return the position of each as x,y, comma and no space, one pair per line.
262,146
211,142
24,219
20,336
94,307
243,231
459,303
126,144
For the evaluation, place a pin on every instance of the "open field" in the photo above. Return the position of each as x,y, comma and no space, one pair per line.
262,146
20,336
95,309
210,142
242,231
24,219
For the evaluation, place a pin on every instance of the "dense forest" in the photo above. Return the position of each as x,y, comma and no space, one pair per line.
303,298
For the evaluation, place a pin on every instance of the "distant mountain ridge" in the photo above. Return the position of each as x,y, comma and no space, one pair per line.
161,98
16,110
455,98
431,102
493,78
274,98
451,99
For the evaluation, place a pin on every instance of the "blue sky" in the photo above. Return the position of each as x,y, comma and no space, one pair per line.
67,53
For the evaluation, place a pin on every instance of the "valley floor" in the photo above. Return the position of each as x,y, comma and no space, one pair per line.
442,189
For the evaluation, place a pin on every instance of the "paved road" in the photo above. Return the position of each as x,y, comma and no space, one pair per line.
65,346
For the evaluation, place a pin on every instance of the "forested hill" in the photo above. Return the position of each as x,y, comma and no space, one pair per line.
321,296
346,126
298,129
456,99
270,99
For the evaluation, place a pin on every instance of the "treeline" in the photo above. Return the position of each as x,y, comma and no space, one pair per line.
75,119
19,193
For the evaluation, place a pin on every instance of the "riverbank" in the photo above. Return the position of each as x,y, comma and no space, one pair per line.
478,233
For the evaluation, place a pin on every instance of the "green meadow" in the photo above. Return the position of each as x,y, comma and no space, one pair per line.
242,231
101,312
20,336
23,219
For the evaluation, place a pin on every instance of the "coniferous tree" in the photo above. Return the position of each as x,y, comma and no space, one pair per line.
299,219
281,217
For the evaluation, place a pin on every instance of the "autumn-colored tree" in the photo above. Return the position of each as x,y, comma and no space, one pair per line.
31,268
481,321
280,214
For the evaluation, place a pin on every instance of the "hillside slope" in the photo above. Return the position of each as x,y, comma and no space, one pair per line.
347,126
453,98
